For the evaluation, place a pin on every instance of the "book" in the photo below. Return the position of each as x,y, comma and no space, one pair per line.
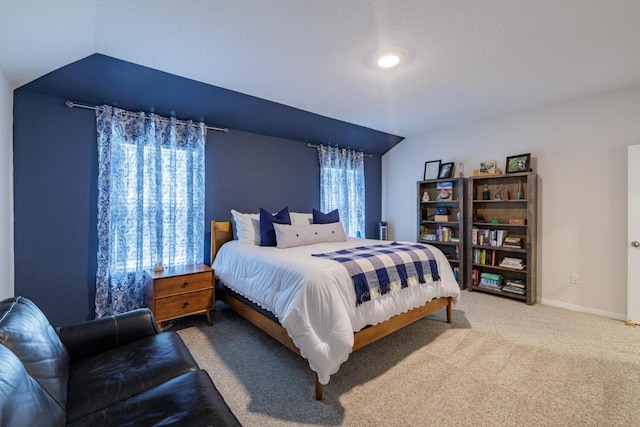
516,282
490,281
488,236
514,286
515,263
486,285
484,256
513,242
492,276
444,191
513,289
443,234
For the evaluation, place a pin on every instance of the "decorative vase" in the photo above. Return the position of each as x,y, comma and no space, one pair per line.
485,192
520,194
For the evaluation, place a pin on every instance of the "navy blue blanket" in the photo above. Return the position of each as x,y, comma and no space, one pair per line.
379,269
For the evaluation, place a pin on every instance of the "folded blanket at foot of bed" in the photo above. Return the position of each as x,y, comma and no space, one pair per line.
379,269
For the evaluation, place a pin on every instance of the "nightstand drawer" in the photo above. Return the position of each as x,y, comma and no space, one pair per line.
183,304
179,284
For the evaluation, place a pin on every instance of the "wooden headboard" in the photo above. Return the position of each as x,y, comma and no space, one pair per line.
221,232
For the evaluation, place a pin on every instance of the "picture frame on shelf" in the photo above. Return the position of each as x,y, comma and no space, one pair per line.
444,191
487,167
446,170
518,163
431,170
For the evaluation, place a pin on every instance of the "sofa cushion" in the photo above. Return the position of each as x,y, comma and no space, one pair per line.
25,331
188,400
95,336
24,402
99,381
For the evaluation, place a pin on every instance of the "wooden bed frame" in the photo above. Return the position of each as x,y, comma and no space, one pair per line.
221,232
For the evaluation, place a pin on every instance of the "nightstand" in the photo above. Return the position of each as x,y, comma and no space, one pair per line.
180,291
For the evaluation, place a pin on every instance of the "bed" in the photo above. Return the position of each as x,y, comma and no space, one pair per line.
304,302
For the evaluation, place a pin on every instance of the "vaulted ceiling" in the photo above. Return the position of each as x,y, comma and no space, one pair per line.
462,60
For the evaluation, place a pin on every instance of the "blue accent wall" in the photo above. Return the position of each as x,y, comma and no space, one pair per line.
99,79
55,206
55,194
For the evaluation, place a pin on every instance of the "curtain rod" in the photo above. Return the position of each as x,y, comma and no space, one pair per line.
71,104
310,145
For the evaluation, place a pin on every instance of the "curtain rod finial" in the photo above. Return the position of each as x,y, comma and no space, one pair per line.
69,104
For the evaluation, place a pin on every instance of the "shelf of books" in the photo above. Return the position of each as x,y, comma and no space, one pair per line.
441,220
502,218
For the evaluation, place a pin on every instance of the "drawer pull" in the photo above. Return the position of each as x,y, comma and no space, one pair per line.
184,305
185,284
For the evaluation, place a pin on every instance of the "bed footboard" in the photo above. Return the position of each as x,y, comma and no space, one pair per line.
361,339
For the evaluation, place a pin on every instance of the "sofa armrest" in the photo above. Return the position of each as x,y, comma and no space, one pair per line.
99,335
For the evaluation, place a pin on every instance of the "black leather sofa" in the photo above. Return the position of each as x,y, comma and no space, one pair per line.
114,371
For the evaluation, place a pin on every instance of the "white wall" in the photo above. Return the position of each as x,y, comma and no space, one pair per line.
579,151
6,189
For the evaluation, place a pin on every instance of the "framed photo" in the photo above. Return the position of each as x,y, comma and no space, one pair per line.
487,167
519,163
444,191
431,169
446,170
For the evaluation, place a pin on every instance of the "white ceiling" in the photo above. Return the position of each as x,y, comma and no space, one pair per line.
464,60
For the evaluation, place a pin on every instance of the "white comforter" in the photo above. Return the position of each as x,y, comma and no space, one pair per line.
314,298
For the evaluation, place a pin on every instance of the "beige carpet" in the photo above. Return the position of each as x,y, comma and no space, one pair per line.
501,363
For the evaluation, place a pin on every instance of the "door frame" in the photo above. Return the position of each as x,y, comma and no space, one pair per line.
633,234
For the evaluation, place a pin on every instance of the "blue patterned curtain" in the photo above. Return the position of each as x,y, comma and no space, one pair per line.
150,202
342,186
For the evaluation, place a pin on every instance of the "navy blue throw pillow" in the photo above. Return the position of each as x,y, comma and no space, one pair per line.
267,232
325,218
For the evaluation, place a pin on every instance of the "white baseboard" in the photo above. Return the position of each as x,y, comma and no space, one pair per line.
574,307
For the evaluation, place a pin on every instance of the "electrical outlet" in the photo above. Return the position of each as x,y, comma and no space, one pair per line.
574,278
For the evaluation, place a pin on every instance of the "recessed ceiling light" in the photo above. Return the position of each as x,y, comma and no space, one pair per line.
388,60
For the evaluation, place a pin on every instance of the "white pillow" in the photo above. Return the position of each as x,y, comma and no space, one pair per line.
289,236
247,227
298,218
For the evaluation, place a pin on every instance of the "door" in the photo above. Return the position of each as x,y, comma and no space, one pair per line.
633,234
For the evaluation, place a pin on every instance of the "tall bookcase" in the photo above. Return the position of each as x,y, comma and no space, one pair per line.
441,220
501,255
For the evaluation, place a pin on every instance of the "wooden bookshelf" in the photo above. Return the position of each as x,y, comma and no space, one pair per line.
489,229
447,234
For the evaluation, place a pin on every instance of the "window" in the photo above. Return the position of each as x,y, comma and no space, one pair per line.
150,202
342,187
